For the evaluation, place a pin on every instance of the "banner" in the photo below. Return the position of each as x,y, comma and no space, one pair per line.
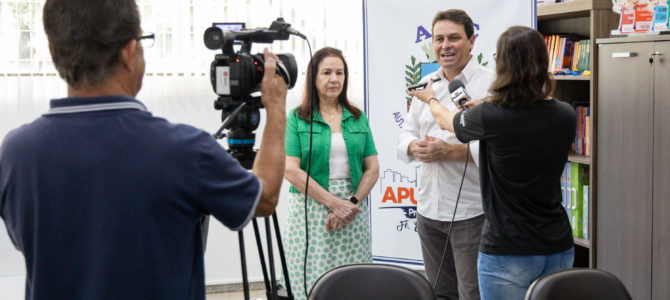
399,52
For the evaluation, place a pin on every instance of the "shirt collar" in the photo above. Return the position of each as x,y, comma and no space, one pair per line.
93,104
466,74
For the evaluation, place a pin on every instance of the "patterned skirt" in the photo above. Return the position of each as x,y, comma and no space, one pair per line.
327,250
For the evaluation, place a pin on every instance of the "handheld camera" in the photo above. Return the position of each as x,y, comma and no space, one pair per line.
236,75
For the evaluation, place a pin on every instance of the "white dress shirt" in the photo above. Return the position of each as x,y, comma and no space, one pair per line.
439,181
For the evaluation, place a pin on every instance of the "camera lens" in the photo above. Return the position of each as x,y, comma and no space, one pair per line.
213,38
291,66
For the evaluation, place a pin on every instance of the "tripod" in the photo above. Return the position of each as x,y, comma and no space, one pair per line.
245,155
271,289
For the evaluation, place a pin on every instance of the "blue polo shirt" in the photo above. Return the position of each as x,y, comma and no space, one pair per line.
104,200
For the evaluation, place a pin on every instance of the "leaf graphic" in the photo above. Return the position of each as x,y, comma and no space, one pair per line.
479,57
409,74
408,67
484,64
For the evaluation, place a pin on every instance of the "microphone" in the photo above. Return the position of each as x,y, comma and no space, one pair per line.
458,93
283,27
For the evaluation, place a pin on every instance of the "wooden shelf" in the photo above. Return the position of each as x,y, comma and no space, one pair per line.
583,242
582,159
572,77
572,9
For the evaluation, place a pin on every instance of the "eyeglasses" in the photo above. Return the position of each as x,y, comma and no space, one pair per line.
147,40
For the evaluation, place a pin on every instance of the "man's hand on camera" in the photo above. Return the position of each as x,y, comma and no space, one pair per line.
273,86
270,160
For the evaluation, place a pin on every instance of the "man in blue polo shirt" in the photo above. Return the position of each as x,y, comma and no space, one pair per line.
102,198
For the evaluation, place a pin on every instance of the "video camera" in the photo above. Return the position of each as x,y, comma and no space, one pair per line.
235,76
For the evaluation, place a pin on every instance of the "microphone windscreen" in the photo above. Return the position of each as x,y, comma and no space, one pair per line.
455,84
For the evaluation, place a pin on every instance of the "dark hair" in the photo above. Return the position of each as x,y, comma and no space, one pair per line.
305,108
85,37
457,16
522,75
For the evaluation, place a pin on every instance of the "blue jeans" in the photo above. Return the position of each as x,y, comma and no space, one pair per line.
507,277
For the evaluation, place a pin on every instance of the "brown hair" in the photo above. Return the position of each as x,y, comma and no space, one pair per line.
457,16
522,76
306,108
85,37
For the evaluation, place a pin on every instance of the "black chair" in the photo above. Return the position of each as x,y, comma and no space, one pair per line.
370,282
578,284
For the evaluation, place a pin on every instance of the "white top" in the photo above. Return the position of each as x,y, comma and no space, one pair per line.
439,181
339,161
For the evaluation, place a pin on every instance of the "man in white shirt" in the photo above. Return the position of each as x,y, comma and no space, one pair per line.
443,161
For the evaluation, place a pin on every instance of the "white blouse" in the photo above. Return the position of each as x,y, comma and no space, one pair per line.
339,161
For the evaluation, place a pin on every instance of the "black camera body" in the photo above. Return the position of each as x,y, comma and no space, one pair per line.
237,75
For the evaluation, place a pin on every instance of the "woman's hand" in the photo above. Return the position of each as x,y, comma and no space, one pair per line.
470,104
344,210
424,94
333,222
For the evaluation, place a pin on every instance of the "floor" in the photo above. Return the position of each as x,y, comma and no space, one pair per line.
253,295
12,288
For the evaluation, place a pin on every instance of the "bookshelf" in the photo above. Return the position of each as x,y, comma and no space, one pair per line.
593,19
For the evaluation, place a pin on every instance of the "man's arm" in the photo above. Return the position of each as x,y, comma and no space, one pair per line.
409,134
269,163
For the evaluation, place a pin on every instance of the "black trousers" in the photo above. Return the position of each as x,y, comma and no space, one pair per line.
458,278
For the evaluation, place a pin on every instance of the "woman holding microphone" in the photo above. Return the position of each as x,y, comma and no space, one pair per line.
525,136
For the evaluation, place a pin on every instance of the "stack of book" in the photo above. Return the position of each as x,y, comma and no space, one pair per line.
568,52
582,143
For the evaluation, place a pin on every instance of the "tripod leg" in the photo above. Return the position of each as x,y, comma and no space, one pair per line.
282,257
268,234
243,258
261,255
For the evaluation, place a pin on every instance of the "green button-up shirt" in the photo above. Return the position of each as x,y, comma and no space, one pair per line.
357,138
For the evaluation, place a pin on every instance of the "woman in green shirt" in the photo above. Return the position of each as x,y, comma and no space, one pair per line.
344,168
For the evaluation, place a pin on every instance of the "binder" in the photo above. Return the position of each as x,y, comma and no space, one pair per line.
576,207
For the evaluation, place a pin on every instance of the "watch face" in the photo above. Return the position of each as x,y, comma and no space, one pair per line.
353,200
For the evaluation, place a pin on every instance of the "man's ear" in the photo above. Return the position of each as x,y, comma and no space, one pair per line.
127,55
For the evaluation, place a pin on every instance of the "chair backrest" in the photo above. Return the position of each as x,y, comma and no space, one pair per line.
578,284
371,281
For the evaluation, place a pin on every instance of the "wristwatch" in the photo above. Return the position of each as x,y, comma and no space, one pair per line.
353,200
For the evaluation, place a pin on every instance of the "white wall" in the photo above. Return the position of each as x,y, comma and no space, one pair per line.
188,98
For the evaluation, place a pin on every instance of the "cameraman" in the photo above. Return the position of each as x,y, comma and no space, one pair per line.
102,198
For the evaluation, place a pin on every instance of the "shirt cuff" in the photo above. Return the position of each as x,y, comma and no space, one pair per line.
252,211
403,147
474,151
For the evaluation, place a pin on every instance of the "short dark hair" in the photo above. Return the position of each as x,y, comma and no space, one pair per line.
306,108
85,37
522,69
457,16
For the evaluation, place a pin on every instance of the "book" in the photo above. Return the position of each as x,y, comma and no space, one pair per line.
568,193
585,211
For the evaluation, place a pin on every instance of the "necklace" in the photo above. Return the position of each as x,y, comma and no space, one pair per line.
331,115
